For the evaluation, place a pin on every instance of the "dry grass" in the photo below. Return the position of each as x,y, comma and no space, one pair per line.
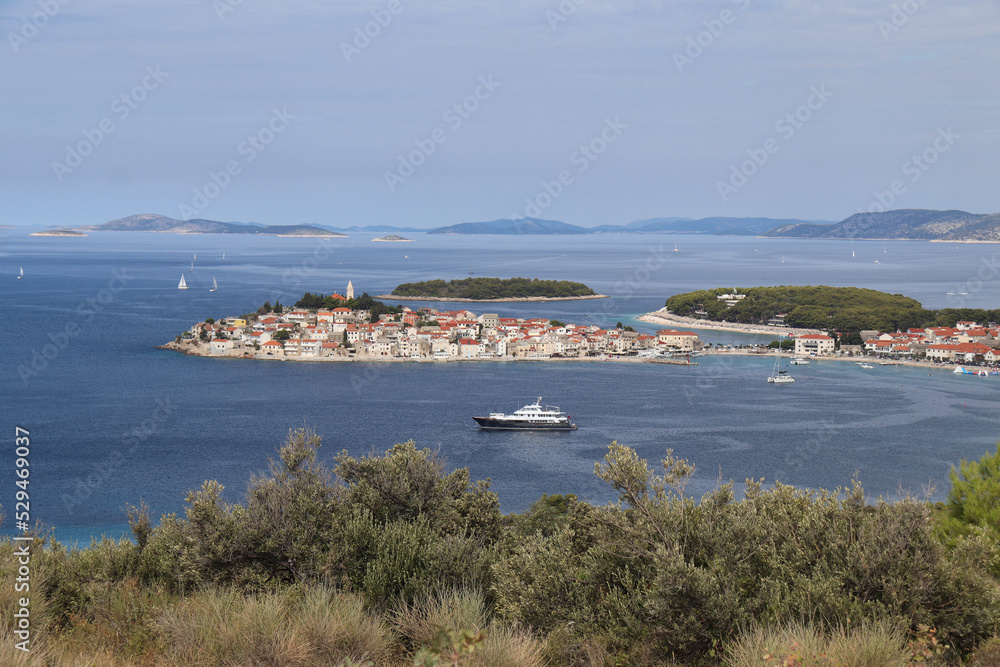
220,627
870,645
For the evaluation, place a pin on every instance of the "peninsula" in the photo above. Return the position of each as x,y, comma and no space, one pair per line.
344,328
493,289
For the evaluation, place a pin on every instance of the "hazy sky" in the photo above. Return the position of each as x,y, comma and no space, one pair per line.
434,112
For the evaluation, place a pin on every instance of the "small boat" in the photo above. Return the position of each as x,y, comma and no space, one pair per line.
192,266
676,249
864,365
532,417
215,285
223,255
21,275
799,361
183,284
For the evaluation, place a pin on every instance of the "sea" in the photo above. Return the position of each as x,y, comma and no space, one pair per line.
114,421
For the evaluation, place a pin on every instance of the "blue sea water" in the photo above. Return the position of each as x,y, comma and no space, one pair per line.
114,420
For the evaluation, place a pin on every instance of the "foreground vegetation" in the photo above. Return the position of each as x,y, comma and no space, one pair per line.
494,288
843,309
392,560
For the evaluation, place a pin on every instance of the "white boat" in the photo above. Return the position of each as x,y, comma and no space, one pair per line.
215,285
192,265
223,255
21,275
183,284
799,361
531,417
779,377
864,365
676,249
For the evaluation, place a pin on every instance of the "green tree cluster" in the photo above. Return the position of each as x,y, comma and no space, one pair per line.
374,307
656,578
845,309
494,288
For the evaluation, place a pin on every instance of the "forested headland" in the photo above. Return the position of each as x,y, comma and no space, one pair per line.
392,560
494,288
842,309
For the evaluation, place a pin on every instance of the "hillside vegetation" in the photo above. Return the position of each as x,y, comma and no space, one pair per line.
493,288
392,560
843,309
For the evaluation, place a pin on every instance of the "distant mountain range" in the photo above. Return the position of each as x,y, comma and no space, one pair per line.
889,225
902,224
151,222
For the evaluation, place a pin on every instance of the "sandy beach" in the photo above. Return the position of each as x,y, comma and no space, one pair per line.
663,317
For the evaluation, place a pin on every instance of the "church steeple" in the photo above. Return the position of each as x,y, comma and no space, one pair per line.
350,290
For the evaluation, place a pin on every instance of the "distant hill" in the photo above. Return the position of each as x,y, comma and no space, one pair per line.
718,226
152,222
505,226
902,224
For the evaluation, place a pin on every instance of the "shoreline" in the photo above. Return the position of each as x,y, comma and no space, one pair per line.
199,351
512,299
663,317
195,350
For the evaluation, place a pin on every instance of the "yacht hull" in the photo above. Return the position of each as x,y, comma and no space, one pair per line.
518,425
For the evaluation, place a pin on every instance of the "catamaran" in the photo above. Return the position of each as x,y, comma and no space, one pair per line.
182,285
215,285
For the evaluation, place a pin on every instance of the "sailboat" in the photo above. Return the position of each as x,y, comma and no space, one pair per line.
215,285
21,275
779,377
192,266
182,285
852,253
223,255
676,249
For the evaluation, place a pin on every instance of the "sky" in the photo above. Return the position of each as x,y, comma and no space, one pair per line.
426,113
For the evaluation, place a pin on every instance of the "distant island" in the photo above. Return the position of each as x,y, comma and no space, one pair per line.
715,226
906,224
915,224
494,289
392,238
58,232
151,222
